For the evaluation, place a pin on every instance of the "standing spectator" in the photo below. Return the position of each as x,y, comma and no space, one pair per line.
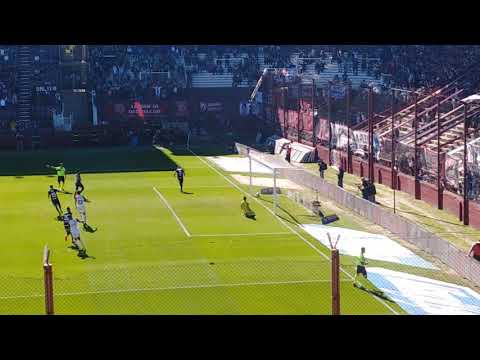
475,249
341,172
19,138
372,191
322,166
411,161
364,188
289,153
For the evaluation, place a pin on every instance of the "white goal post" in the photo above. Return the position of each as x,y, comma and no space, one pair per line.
264,170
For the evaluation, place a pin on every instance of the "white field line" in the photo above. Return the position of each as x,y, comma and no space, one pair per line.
200,286
252,234
173,212
286,225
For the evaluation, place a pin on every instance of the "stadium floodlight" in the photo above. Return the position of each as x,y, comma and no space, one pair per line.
48,281
259,83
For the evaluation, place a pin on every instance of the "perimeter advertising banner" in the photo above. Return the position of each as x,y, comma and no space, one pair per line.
181,108
211,106
137,109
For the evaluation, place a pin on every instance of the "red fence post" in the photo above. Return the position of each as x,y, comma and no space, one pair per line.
439,182
466,187
348,119
329,106
335,282
48,282
417,181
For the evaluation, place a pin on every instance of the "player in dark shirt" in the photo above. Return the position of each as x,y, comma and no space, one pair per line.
53,196
66,219
78,183
180,174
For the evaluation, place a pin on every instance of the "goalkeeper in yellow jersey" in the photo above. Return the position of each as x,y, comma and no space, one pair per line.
245,206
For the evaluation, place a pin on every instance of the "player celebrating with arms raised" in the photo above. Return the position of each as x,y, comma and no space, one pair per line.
60,174
180,174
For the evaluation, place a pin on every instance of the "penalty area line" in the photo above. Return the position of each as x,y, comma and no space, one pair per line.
184,228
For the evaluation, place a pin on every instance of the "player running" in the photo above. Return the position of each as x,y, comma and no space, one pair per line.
361,262
247,211
80,201
66,223
76,239
180,174
60,174
78,183
53,196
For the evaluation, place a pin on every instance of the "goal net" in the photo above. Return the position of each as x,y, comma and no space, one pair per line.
266,178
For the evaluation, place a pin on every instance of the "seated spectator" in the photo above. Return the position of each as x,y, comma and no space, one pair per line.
475,251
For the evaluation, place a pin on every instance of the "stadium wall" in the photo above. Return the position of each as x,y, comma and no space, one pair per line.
452,203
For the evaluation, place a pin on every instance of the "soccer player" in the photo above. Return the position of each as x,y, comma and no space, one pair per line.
78,183
80,201
247,211
77,241
66,223
180,174
361,262
60,174
53,196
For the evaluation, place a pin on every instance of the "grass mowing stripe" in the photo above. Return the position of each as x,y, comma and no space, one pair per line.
173,212
252,234
200,286
286,225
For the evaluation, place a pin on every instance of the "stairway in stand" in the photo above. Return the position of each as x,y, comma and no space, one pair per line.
24,87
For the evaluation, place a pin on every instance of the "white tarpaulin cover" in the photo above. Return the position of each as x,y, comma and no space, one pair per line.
378,247
419,295
239,164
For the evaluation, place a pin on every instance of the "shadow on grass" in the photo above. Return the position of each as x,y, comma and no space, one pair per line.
376,293
295,221
420,215
89,229
106,160
187,193
210,150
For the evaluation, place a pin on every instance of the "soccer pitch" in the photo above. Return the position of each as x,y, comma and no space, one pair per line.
157,250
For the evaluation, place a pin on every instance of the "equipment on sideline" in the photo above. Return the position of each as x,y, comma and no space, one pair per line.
329,219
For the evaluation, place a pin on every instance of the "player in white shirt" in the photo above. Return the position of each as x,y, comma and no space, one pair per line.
80,201
82,251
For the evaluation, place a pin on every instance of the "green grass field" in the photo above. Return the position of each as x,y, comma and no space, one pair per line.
156,250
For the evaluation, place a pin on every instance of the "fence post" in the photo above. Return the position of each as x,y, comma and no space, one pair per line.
335,282
48,282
